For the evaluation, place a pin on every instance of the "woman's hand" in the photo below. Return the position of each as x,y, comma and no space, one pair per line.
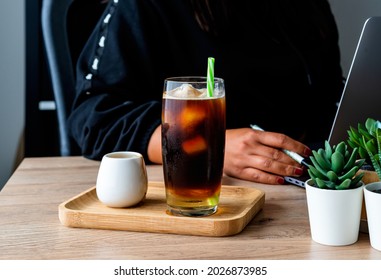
251,155
256,156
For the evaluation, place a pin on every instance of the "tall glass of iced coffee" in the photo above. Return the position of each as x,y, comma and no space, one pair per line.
193,140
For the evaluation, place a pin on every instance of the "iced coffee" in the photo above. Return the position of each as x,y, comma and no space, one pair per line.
193,142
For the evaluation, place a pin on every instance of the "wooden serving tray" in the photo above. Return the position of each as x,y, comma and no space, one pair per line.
238,205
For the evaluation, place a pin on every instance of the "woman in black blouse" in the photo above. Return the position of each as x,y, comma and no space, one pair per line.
279,58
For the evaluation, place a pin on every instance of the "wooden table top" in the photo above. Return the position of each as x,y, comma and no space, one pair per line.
30,227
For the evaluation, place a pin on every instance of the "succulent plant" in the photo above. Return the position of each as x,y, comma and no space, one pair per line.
370,141
364,138
335,167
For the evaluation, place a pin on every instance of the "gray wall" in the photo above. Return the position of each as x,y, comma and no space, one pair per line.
12,86
350,16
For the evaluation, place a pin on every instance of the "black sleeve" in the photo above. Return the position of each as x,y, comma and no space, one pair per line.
118,99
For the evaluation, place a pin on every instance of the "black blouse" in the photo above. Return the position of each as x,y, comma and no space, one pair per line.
280,61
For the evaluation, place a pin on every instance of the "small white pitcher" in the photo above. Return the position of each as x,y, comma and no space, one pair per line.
122,179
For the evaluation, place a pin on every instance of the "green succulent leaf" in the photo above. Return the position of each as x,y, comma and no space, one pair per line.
371,145
374,159
352,134
359,163
364,132
349,174
320,183
323,184
363,153
320,157
332,176
351,160
341,148
357,179
337,160
371,124
330,185
318,167
328,150
344,185
314,173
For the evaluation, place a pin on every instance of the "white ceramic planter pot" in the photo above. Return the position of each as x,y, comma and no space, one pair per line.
369,177
373,211
334,214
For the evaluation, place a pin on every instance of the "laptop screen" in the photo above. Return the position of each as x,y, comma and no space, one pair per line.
361,96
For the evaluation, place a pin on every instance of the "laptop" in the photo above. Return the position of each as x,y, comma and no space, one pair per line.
361,96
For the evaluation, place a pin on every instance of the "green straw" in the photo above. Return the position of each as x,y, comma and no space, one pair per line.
210,77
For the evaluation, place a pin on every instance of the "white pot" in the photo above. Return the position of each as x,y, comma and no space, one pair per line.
334,214
373,212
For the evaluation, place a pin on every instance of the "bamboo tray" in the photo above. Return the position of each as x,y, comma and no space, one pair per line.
238,205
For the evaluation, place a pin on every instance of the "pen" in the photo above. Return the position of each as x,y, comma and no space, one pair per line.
298,158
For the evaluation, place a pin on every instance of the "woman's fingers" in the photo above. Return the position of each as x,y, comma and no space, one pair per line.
249,156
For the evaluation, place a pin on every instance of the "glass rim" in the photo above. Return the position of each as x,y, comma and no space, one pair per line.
200,79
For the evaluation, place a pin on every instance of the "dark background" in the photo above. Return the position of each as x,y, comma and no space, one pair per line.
41,128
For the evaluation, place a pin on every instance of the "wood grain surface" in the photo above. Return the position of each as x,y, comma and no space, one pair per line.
30,227
237,207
